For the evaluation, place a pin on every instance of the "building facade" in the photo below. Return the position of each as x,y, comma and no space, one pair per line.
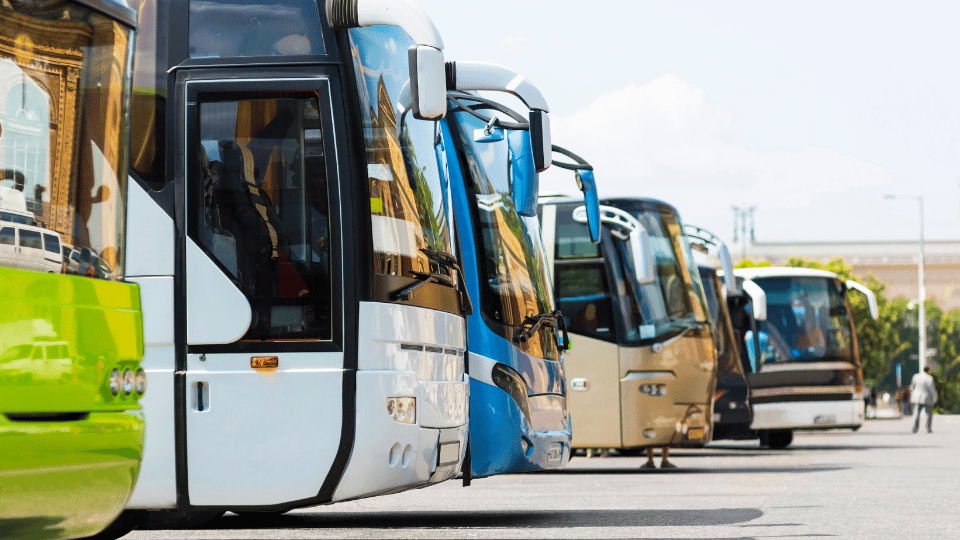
893,263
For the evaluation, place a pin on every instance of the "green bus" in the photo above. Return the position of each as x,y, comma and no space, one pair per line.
71,330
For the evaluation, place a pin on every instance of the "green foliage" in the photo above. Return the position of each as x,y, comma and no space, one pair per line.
946,372
893,338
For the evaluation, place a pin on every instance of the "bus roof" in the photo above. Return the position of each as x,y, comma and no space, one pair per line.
782,271
642,203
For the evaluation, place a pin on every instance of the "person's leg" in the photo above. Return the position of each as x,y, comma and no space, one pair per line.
916,423
929,418
649,464
665,461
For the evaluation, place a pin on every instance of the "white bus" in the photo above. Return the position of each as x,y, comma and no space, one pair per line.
290,230
803,353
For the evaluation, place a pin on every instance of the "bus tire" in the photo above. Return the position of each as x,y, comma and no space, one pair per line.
779,439
178,519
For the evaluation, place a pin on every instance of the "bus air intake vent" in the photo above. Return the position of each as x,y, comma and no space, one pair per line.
343,13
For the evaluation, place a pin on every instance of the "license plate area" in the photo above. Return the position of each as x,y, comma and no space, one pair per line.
555,453
449,453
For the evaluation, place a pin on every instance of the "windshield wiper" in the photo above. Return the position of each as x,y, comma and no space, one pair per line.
422,278
550,319
448,260
684,330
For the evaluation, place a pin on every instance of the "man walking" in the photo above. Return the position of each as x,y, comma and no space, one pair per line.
923,393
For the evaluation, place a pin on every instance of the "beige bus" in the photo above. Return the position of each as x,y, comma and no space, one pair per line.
642,368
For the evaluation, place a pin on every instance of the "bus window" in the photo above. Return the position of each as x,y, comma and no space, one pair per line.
408,205
584,299
264,214
513,281
573,238
807,320
62,110
238,28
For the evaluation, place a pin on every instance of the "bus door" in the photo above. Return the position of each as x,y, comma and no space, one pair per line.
263,362
584,295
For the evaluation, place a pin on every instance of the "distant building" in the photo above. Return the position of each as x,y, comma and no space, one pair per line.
893,263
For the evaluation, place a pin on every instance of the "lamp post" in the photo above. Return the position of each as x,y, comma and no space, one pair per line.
921,289
740,216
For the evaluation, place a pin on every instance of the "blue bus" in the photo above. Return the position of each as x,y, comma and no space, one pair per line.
516,338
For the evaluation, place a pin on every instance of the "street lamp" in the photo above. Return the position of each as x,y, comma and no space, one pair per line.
741,214
922,293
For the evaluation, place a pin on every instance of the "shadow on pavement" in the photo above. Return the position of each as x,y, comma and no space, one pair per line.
489,519
694,470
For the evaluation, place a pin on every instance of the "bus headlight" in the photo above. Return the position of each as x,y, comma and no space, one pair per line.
116,381
140,381
402,409
129,380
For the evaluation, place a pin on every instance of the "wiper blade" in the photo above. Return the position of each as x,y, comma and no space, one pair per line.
423,278
550,319
448,260
684,330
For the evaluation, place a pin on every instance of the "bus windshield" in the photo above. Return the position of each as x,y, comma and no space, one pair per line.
512,268
674,300
63,112
408,192
807,320
712,287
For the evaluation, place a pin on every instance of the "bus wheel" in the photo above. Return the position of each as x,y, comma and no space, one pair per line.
179,519
779,439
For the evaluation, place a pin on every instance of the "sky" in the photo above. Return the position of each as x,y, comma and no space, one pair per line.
811,111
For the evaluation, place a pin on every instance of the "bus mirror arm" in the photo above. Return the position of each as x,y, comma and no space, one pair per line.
871,298
587,183
428,90
481,76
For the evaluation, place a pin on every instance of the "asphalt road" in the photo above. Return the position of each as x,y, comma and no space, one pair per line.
880,482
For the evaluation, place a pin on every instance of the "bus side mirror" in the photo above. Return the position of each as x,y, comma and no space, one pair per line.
642,256
525,182
428,82
588,185
540,139
758,298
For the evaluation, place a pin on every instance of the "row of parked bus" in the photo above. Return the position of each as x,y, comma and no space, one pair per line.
324,255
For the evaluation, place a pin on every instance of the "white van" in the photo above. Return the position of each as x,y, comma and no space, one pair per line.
29,247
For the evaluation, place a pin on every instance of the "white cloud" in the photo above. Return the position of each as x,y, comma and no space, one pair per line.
665,139
516,44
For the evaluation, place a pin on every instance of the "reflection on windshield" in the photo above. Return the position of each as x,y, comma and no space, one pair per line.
807,319
62,140
712,288
672,301
408,203
512,260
